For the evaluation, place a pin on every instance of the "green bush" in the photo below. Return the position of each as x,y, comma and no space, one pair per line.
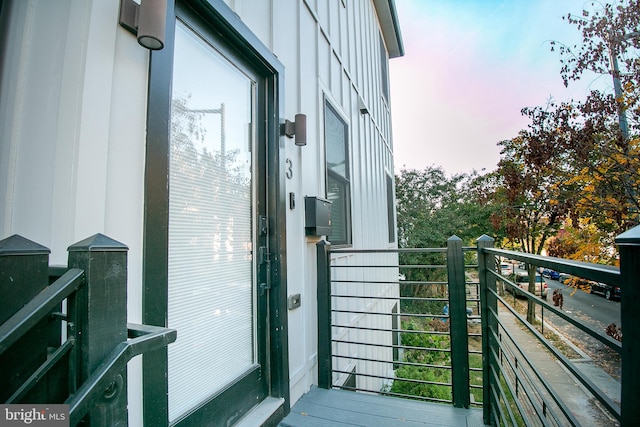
433,391
429,357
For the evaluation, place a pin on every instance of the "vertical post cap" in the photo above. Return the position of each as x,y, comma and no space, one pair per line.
98,243
629,237
18,245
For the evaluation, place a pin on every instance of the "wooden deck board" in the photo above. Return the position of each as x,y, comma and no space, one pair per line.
338,408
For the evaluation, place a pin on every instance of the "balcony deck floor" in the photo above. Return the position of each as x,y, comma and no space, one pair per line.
339,408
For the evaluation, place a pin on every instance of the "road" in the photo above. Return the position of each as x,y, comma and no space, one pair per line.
592,309
596,312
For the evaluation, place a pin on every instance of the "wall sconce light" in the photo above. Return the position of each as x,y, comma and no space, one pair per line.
362,106
146,20
297,128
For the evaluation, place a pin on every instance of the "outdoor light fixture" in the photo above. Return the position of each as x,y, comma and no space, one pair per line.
362,106
297,128
146,20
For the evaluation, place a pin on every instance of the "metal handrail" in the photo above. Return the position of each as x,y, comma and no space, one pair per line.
39,307
588,271
142,339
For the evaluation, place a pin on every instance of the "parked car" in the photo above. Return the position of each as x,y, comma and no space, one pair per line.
506,269
564,278
551,274
606,290
521,279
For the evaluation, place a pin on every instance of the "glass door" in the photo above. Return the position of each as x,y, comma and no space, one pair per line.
215,366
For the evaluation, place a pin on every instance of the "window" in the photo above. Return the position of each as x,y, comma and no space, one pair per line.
338,189
384,70
390,211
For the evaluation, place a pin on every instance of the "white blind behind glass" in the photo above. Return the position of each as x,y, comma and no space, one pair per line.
210,301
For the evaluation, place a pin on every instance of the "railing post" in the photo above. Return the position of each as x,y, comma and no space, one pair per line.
24,272
101,307
458,322
488,302
324,315
629,247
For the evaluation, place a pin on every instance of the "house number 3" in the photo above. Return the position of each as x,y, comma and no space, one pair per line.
289,168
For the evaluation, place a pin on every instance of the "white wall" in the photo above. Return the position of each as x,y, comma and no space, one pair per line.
329,48
72,135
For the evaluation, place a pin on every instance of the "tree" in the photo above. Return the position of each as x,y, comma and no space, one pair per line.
582,242
431,207
604,141
532,194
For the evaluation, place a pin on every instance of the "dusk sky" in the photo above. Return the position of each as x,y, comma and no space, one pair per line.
470,66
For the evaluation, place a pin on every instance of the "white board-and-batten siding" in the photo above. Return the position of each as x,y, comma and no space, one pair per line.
73,134
331,51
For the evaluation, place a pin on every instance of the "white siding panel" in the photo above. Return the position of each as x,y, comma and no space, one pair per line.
336,79
324,59
257,15
323,11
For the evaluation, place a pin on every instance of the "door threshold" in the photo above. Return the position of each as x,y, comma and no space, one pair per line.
269,412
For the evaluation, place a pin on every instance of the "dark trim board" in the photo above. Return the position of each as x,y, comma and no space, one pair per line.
217,16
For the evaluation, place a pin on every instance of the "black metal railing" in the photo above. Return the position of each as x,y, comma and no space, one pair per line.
519,389
446,317
63,332
401,322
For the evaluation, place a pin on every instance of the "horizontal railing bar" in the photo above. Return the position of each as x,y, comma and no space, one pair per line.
596,272
601,337
506,400
364,359
594,389
508,352
40,306
365,282
410,331
403,347
382,377
379,313
41,371
399,282
423,266
387,251
388,298
394,266
528,386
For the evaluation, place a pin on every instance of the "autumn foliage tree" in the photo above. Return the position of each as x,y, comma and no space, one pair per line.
533,191
602,139
578,163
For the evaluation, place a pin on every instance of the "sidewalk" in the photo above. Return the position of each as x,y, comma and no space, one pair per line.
580,402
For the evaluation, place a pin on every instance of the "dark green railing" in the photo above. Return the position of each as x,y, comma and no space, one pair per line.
402,322
368,323
64,338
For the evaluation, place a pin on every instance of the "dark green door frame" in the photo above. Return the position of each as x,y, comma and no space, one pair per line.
222,20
